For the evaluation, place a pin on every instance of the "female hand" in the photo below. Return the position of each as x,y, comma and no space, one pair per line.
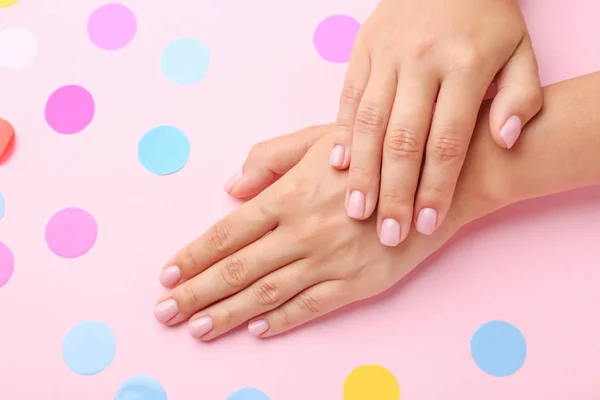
288,255
408,56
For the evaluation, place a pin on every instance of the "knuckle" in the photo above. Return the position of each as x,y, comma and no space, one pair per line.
308,303
234,271
534,98
403,143
267,293
285,320
467,58
189,298
422,48
391,197
351,93
370,119
258,151
362,177
446,148
219,237
190,257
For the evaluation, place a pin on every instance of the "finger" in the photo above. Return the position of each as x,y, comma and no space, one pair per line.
455,116
267,161
519,96
403,149
227,277
355,83
312,303
245,225
367,141
264,295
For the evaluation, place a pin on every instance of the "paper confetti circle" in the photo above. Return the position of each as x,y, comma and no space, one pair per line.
370,382
185,61
164,150
6,3
498,348
112,26
69,109
248,394
141,387
18,47
71,232
7,264
89,347
334,38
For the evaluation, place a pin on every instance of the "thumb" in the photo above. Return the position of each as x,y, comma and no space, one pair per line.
519,96
269,160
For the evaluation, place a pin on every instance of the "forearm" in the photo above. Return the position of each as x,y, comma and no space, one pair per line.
558,151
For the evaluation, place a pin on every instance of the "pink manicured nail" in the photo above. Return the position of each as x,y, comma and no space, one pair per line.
165,311
390,232
336,157
511,130
200,327
356,204
232,182
259,327
426,221
169,276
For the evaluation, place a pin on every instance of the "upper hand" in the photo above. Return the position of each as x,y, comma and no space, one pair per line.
408,56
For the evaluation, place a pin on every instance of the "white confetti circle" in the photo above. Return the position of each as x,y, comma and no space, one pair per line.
18,47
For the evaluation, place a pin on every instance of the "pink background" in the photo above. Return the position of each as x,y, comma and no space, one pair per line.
534,265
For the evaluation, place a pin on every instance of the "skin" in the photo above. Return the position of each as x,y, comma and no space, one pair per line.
290,254
408,57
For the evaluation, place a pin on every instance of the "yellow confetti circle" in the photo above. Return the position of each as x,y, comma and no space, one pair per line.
6,3
371,382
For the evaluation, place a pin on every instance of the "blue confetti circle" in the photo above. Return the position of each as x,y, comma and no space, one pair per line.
141,387
89,347
185,61
164,150
498,348
248,394
1,206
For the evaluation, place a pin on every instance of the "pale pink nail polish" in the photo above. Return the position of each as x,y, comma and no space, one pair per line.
511,130
259,327
232,182
390,232
201,326
169,276
426,221
356,204
336,157
165,311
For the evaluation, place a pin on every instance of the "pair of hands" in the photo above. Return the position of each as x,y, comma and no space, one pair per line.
409,57
291,254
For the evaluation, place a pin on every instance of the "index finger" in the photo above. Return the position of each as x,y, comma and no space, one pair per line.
237,230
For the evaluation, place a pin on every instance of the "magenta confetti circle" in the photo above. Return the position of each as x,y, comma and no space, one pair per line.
71,232
7,264
69,109
112,26
334,38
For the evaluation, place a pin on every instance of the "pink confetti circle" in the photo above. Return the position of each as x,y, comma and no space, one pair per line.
7,264
69,109
334,38
71,232
112,26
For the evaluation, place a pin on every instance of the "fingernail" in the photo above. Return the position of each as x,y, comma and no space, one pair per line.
169,276
259,327
336,158
426,221
166,310
511,130
200,327
356,204
232,182
390,232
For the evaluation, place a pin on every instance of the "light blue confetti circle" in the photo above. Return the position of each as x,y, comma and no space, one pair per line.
164,150
185,61
89,347
498,348
248,394
1,206
141,387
